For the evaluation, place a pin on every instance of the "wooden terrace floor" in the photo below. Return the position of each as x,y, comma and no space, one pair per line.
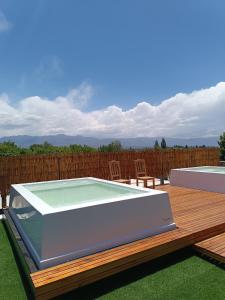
213,247
199,215
196,210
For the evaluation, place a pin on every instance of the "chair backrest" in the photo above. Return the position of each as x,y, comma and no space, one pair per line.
140,167
114,169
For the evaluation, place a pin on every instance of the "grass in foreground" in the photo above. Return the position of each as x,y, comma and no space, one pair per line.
181,275
11,284
178,276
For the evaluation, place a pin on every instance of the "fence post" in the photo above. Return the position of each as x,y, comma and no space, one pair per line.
3,187
162,169
59,170
4,204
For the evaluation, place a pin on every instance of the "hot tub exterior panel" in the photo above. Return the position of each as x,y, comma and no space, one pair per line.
211,182
90,229
28,221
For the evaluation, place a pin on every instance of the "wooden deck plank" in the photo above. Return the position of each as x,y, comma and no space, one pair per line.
199,215
78,277
213,247
194,209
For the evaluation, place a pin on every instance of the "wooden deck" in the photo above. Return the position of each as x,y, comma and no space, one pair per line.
199,215
213,247
197,211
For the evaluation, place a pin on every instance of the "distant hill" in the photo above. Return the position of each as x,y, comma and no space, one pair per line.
139,142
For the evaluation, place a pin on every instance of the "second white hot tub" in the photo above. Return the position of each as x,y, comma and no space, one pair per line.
208,178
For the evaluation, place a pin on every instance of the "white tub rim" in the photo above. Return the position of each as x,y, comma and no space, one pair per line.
192,169
45,209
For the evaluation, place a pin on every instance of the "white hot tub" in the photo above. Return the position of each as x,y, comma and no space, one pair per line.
206,178
66,219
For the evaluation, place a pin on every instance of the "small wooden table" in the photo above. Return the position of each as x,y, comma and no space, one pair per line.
145,179
126,181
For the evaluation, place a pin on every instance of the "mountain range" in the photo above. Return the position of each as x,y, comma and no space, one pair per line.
137,142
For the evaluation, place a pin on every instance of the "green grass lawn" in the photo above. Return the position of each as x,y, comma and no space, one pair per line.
11,284
181,275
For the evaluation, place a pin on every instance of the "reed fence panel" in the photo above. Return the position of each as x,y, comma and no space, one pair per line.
21,169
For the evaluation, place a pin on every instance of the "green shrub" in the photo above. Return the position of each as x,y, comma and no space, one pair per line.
221,143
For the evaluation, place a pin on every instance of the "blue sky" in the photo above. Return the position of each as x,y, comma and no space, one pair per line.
122,52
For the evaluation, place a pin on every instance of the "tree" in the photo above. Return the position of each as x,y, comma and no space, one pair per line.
156,145
221,143
163,143
9,148
74,148
114,146
44,148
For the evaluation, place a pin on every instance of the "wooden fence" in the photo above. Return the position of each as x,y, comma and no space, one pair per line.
20,169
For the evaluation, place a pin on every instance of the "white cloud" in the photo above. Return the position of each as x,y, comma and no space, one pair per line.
5,25
198,114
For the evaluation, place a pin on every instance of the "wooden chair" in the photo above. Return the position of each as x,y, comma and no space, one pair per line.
115,172
141,174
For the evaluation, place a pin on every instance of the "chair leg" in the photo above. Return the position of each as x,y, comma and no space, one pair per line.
145,183
136,182
153,183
